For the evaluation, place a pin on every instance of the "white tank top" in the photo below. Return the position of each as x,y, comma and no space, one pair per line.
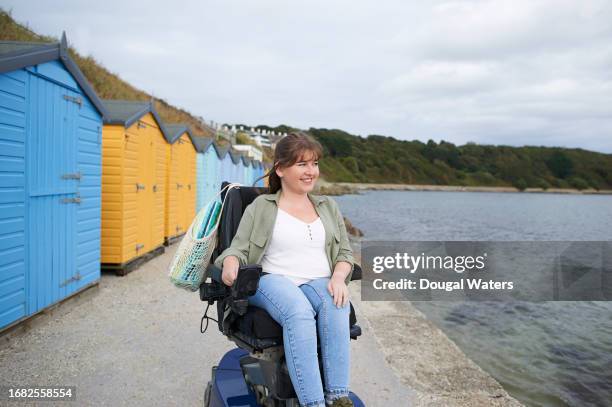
296,249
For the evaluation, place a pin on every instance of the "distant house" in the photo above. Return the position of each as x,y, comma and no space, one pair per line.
249,151
275,138
261,140
219,131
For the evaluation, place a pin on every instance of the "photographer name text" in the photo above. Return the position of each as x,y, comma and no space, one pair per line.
404,262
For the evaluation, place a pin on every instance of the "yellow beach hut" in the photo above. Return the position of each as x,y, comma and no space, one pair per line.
134,167
180,181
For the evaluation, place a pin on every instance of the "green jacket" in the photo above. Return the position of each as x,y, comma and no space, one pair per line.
253,235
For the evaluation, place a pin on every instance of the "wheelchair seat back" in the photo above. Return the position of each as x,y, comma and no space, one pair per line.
237,201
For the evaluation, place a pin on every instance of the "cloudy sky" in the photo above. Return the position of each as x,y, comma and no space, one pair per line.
518,72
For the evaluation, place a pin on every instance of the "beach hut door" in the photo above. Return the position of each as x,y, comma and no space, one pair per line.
53,180
145,197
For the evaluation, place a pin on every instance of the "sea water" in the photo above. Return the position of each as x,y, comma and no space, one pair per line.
544,354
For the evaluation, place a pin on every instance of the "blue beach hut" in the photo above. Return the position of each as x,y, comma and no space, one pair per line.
252,172
227,165
253,169
258,172
247,170
236,174
208,167
50,151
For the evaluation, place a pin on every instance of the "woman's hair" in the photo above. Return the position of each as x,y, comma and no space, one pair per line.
288,151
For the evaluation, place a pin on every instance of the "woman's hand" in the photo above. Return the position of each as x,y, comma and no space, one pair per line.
338,290
230,270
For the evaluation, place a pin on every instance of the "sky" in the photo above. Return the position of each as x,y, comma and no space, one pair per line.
519,72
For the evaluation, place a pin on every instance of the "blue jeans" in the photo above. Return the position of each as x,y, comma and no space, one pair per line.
295,308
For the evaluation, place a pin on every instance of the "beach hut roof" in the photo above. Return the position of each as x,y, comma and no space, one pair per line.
221,150
175,130
128,112
125,112
202,143
16,55
235,156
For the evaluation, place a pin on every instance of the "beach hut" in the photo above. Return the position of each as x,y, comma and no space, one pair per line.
236,171
50,148
180,181
253,171
226,166
247,169
134,168
208,167
258,172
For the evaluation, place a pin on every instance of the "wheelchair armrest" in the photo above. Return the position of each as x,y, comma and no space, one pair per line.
357,272
244,286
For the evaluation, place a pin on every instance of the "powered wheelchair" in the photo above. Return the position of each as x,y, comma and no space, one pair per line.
255,373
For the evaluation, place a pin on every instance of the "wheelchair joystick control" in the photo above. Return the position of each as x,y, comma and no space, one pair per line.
245,285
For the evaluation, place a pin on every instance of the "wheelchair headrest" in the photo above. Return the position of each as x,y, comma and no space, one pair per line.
237,201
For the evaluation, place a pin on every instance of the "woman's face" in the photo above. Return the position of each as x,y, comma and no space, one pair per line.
301,176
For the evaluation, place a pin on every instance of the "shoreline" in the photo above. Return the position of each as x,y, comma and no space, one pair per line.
423,357
356,186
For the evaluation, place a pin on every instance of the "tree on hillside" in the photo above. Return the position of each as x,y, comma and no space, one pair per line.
560,164
337,143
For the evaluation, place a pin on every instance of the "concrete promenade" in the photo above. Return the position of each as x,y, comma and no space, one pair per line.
136,340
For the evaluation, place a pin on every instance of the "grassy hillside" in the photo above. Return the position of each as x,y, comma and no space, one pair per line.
108,85
380,159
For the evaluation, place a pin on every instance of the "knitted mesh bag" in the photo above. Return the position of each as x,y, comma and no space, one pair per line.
188,267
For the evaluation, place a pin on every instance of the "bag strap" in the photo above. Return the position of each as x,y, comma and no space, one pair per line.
227,187
212,200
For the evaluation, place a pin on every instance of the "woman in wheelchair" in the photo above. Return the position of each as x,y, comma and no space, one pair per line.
301,243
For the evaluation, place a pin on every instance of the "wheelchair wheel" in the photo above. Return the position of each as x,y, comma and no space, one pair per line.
207,394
